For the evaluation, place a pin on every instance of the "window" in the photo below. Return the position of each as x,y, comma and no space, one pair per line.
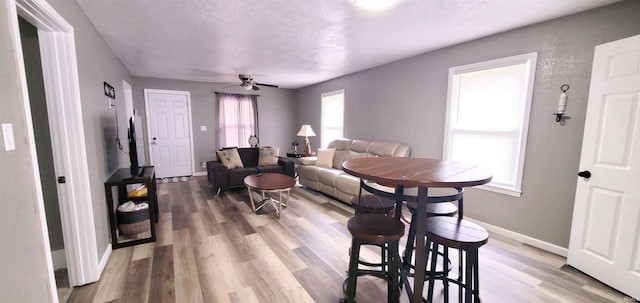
488,117
237,119
332,117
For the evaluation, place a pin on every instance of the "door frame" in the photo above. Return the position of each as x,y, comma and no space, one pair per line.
62,91
147,91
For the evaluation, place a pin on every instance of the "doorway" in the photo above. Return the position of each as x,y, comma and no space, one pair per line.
62,95
169,132
40,120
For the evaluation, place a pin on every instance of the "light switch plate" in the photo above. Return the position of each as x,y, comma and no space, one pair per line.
203,128
7,134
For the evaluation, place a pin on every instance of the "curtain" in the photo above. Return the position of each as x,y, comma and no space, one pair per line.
237,119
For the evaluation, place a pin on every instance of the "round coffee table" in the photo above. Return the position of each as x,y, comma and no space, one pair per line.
270,183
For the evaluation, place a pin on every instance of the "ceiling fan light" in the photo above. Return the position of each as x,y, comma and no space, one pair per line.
246,85
374,4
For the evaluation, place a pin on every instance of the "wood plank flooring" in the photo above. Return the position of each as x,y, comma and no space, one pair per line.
215,249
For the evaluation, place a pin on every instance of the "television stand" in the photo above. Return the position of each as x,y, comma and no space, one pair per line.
116,194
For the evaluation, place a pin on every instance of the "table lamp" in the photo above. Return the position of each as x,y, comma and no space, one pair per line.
306,132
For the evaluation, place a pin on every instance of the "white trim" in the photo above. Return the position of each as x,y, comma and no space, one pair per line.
128,98
146,106
530,59
200,173
105,257
60,72
500,190
552,248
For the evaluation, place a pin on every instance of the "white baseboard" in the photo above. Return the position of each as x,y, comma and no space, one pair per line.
59,259
104,259
552,248
200,173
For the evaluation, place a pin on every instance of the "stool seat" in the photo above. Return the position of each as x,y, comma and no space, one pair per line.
378,229
435,209
375,228
373,204
460,234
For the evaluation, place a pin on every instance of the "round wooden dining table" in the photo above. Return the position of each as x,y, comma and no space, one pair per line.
423,173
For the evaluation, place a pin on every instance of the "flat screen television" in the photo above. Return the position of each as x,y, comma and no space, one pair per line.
136,170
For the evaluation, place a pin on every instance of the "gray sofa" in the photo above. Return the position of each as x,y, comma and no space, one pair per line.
334,181
222,178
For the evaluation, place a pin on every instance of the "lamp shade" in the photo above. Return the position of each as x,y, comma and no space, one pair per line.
306,131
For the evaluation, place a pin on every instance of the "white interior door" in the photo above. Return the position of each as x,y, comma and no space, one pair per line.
169,132
605,233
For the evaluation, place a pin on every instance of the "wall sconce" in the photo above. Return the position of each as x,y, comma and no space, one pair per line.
562,105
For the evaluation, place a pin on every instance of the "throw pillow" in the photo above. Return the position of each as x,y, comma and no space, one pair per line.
230,158
325,157
268,156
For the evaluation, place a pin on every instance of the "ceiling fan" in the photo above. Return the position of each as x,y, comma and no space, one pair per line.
248,84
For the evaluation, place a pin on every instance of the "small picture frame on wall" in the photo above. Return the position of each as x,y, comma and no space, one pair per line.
109,91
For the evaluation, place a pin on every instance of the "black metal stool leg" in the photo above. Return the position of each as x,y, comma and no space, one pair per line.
468,286
392,290
432,247
476,278
353,270
445,281
460,263
408,251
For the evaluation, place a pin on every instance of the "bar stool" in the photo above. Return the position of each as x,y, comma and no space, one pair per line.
378,229
372,204
465,236
445,209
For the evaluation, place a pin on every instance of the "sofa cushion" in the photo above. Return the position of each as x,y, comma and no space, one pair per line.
236,176
327,176
325,157
249,156
268,156
384,149
271,169
348,184
230,157
307,160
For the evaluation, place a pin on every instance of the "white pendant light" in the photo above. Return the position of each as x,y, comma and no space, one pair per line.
375,4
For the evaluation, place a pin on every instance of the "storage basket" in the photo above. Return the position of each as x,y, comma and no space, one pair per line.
133,222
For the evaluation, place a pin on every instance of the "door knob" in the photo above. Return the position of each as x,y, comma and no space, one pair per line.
585,174
154,141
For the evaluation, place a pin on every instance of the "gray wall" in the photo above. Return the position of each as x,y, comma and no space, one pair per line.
24,275
276,113
405,102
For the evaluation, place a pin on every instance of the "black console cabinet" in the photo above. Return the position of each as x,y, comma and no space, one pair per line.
116,194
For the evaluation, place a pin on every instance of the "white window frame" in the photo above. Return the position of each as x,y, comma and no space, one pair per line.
530,60
323,138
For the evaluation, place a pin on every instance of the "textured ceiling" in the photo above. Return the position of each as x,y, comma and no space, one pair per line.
294,43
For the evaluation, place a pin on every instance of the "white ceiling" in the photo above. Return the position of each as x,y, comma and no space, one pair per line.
294,43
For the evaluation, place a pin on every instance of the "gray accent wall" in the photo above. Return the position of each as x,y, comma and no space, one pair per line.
405,101
276,114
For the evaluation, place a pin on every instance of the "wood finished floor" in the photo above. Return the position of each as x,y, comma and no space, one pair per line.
215,249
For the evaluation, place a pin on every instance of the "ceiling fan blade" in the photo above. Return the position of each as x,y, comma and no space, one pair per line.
255,87
267,85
